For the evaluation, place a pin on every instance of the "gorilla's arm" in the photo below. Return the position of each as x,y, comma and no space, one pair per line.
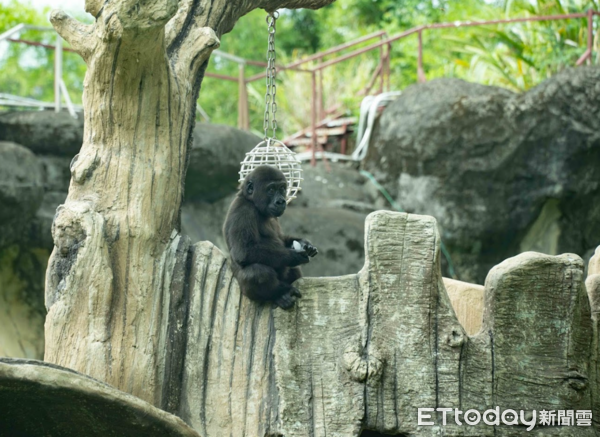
269,253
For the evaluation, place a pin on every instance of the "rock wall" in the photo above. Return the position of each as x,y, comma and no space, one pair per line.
502,172
22,311
22,263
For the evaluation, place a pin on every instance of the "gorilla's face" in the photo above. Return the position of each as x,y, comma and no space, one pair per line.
276,191
266,187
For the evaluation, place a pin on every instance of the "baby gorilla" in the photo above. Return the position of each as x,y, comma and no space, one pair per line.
263,259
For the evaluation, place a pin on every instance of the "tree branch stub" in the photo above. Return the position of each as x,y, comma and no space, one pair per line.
78,35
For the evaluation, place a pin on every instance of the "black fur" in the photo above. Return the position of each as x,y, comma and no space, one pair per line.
263,260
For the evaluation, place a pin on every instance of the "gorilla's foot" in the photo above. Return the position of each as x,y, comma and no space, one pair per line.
287,300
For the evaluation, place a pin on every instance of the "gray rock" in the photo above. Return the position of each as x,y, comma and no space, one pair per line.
203,221
341,182
21,191
43,132
38,399
56,177
56,172
41,235
215,158
486,162
337,233
22,309
23,258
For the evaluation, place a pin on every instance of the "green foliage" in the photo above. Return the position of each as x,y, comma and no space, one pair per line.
24,71
521,55
16,12
28,71
300,22
219,98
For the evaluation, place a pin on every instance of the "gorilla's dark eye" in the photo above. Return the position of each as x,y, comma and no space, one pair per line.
271,191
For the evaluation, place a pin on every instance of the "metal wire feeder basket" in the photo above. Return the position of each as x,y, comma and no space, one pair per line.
274,153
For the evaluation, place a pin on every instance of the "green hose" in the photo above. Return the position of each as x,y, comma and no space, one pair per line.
397,208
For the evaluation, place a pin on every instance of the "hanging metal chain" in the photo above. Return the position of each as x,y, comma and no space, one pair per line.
270,104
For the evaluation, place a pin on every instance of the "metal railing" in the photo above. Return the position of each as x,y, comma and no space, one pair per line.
60,88
317,78
382,71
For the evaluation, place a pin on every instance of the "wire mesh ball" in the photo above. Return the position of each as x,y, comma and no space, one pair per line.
276,154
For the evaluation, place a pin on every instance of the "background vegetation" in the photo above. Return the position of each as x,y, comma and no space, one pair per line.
515,56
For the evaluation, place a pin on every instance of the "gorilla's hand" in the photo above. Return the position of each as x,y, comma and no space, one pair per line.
308,247
299,258
287,300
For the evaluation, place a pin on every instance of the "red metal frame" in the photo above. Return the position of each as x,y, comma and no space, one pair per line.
590,41
38,44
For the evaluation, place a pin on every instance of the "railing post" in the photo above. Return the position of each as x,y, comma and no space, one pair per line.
313,119
344,144
68,101
590,29
57,73
388,66
243,112
320,97
382,72
587,56
420,72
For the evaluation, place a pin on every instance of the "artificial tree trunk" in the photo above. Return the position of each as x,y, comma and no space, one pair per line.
116,277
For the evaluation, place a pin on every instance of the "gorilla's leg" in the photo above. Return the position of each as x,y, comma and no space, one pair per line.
288,276
261,282
292,274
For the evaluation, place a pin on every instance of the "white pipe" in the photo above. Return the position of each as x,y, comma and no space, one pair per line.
332,156
19,27
40,28
373,104
71,108
11,32
362,120
202,112
229,56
